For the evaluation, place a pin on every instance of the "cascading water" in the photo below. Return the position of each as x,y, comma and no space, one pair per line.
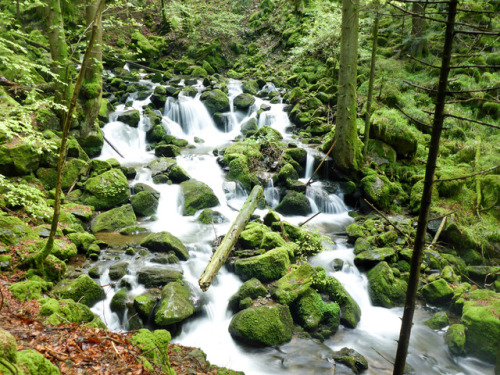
377,331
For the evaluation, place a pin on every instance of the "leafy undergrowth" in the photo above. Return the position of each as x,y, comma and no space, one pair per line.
81,350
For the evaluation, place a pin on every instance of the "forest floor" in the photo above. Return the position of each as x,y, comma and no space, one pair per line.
76,349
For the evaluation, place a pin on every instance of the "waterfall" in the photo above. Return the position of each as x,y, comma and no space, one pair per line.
271,194
309,166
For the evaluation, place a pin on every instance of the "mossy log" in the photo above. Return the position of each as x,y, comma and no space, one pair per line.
222,253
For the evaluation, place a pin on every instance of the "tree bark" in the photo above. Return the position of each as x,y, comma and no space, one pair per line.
372,78
222,253
416,260
418,45
40,257
346,152
58,52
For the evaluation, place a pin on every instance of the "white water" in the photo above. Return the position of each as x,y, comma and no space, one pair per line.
379,327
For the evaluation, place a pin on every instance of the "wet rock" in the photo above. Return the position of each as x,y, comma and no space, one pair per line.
161,165
114,219
385,288
294,204
250,86
380,190
262,326
251,237
287,174
249,127
266,267
167,151
197,195
118,270
293,284
177,175
18,158
369,258
352,359
165,242
252,289
144,203
130,117
118,303
83,289
455,339
437,292
239,171
132,230
175,305
270,218
208,216
438,321
144,305
244,101
153,277
171,258
215,101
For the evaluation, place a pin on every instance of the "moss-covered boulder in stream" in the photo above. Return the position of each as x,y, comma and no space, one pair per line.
244,101
269,266
385,289
293,204
144,203
250,290
250,86
251,237
197,196
239,171
438,292
170,151
293,284
154,277
215,101
380,190
114,219
455,339
262,326
107,190
164,242
130,117
83,289
370,257
144,305
175,305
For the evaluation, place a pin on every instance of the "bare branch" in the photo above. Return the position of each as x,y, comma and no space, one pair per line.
420,87
471,120
413,119
469,175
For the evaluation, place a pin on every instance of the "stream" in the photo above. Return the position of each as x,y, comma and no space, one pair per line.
377,332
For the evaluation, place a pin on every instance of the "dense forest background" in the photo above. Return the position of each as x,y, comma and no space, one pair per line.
293,44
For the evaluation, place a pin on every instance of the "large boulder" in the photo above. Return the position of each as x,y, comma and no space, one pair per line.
130,117
262,326
153,277
197,196
239,171
215,101
266,267
144,203
250,86
114,219
13,230
350,313
18,158
107,190
380,190
144,305
294,203
244,101
391,127
384,287
437,292
175,305
83,289
118,270
370,257
294,284
163,242
455,339
72,169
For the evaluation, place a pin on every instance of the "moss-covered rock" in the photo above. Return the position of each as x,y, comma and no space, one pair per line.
72,171
455,339
380,190
352,359
164,242
369,258
13,230
63,311
244,101
239,171
175,305
114,219
170,151
196,196
144,305
249,127
107,190
266,267
253,234
437,292
385,288
250,86
8,347
215,101
144,46
262,326
294,203
266,133
144,203
154,346
18,158
391,127
208,216
83,289
82,240
438,321
130,117
33,363
62,248
381,153
293,284
287,174
118,270
30,289
118,302
252,289
153,277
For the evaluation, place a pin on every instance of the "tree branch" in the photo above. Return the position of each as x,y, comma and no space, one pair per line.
469,175
386,218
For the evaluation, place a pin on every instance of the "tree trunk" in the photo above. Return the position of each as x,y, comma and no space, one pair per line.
372,78
418,41
40,257
416,260
222,253
58,51
346,152
164,18
91,93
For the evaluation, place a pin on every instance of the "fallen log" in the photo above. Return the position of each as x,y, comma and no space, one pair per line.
222,253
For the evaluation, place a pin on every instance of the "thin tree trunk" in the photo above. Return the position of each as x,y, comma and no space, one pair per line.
416,260
58,51
40,257
372,78
222,253
166,24
418,25
345,154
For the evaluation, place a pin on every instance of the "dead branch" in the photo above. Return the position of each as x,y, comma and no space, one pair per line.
469,175
412,118
320,164
420,87
471,120
308,220
386,219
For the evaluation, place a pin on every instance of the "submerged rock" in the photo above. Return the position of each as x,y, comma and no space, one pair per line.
352,359
262,326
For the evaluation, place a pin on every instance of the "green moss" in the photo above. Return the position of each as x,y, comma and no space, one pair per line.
175,305
144,305
294,203
34,363
385,288
250,289
380,190
30,289
438,321
154,347
455,339
253,234
197,196
293,284
215,101
82,289
64,311
239,171
107,190
266,267
8,346
114,219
